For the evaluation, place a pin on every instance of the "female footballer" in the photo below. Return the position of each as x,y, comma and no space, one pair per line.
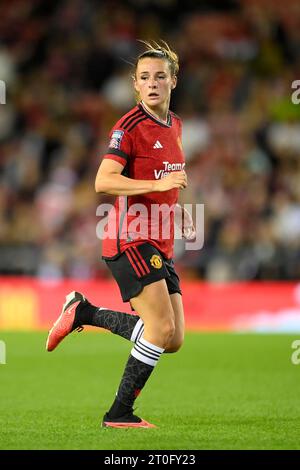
144,168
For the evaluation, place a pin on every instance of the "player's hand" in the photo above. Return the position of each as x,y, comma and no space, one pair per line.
188,228
184,220
176,179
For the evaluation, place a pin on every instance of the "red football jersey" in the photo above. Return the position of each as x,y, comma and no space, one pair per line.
148,149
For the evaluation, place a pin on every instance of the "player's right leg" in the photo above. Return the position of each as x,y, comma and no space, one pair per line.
132,270
78,311
64,324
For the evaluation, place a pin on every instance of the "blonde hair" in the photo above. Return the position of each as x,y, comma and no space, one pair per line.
157,50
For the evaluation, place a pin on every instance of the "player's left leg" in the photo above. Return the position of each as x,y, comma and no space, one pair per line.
177,340
175,294
159,324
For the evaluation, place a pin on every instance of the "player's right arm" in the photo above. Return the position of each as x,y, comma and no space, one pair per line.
110,181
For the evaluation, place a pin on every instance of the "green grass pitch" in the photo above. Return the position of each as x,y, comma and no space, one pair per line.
221,391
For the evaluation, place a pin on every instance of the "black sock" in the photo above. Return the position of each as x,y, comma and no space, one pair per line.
138,369
118,409
135,376
119,323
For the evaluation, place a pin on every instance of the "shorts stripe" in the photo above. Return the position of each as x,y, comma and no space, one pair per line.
136,268
134,256
141,258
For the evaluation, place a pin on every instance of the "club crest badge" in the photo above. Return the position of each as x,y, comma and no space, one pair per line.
156,261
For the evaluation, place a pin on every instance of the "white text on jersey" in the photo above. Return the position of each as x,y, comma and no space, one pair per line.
168,168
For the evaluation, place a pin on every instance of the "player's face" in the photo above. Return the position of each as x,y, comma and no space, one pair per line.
154,82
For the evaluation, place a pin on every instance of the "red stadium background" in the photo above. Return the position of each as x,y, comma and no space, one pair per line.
270,306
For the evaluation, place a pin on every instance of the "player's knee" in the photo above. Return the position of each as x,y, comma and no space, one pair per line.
160,327
167,329
175,344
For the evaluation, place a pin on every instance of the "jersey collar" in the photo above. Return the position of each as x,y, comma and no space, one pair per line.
154,118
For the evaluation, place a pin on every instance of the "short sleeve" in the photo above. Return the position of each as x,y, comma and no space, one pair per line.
120,146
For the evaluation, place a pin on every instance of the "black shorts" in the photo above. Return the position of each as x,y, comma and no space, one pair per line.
139,266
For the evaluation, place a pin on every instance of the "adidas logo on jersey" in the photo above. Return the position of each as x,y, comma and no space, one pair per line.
157,145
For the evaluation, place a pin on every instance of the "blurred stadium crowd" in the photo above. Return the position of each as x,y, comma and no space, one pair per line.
67,74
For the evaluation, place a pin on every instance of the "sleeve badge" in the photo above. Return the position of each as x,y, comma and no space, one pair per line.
116,139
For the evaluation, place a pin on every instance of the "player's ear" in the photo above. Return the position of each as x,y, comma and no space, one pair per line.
174,82
135,84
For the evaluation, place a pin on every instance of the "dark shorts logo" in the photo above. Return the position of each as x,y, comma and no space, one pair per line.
116,139
156,261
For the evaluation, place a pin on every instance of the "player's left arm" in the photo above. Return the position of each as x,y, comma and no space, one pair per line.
182,217
184,220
